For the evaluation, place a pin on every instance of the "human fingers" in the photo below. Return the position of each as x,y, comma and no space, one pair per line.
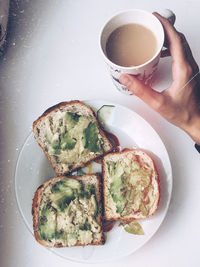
151,97
188,53
180,46
183,63
174,39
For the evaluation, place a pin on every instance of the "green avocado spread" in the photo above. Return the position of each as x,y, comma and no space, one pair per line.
70,136
68,213
130,187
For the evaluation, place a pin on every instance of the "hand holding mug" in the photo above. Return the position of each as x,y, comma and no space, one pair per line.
180,103
132,28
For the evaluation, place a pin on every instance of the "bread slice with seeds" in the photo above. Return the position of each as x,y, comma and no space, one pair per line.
70,136
130,185
67,212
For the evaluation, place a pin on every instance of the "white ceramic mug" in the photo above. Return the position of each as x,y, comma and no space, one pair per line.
144,71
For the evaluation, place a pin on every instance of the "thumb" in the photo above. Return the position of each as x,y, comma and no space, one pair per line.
151,97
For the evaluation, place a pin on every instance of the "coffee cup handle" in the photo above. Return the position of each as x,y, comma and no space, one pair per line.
168,14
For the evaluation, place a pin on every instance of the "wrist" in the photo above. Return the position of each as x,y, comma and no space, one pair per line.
193,130
197,147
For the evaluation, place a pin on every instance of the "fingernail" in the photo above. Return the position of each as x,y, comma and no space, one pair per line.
125,80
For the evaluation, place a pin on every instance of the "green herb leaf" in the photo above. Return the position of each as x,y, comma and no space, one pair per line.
134,228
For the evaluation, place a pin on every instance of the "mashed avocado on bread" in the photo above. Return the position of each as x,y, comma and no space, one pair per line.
66,212
131,185
67,209
75,135
70,136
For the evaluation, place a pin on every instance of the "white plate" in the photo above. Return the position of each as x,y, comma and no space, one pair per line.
133,131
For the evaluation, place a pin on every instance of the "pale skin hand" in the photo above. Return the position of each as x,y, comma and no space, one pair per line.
180,103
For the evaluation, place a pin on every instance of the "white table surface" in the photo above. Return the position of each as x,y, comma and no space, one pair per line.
53,55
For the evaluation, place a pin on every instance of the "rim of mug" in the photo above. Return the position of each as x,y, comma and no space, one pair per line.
138,66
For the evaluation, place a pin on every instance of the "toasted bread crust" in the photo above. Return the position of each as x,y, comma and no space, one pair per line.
133,216
92,157
59,106
36,204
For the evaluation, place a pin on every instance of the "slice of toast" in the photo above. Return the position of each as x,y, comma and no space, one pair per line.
70,136
130,185
67,212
